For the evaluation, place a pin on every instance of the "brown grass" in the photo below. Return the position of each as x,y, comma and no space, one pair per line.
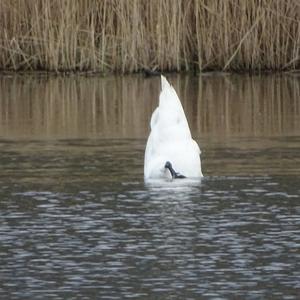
129,35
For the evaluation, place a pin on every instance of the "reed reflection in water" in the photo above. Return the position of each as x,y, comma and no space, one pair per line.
121,107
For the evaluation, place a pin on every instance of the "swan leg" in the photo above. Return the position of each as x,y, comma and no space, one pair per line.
174,174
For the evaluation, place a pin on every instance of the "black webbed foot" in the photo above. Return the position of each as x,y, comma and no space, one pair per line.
174,174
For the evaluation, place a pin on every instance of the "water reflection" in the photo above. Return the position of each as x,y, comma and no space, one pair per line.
216,106
78,221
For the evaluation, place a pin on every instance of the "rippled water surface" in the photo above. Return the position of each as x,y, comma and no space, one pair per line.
77,220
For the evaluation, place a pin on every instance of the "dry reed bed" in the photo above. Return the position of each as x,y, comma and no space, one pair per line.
129,35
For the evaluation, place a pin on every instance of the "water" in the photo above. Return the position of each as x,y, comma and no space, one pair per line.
77,220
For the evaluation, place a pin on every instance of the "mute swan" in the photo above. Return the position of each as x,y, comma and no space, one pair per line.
170,151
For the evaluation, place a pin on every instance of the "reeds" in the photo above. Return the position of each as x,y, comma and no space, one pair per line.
131,35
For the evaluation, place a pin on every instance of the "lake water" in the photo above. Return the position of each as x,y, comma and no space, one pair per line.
77,220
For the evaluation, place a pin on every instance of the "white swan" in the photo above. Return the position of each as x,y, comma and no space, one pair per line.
170,151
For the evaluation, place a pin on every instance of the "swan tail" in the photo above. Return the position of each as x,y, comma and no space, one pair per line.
164,83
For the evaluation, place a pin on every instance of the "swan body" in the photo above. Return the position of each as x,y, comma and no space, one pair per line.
170,151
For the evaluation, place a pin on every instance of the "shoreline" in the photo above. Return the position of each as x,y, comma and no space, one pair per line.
44,73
